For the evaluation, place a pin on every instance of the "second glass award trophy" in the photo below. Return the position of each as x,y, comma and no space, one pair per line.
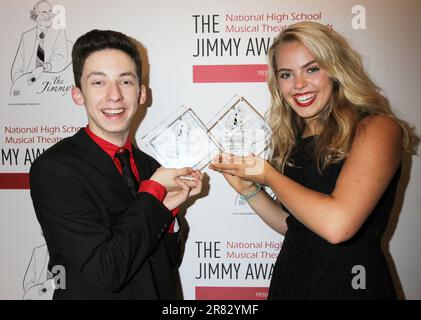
240,129
182,141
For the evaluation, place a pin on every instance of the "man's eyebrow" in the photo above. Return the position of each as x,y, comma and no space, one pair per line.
128,73
302,67
95,73
102,74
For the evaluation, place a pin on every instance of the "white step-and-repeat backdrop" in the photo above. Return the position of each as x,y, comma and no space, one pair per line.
198,54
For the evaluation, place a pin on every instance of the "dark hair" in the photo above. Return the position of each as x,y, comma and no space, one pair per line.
96,40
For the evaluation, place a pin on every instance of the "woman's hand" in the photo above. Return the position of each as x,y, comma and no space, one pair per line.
241,186
250,168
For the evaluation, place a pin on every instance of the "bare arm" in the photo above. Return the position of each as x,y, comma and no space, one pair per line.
265,207
374,157
367,171
269,211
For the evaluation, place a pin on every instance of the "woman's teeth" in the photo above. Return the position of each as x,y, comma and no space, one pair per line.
305,98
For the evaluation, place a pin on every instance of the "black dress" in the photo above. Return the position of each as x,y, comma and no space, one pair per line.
309,267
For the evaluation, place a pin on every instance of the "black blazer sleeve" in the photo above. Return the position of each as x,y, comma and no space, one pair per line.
105,255
171,239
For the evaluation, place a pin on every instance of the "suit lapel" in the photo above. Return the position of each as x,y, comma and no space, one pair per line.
94,155
31,55
143,166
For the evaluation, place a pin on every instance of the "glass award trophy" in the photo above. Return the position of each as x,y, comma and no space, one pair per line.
241,130
181,141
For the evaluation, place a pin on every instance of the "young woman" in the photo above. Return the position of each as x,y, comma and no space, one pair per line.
335,166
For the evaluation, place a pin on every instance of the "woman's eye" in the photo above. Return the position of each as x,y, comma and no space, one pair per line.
313,69
284,75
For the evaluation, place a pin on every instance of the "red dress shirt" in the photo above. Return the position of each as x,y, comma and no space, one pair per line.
150,186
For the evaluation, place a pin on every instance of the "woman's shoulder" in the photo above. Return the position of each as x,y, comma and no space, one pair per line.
379,120
380,134
379,125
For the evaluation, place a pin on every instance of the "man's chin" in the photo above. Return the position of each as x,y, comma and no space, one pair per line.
45,24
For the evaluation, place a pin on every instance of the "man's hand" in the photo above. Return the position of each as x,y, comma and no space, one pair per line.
196,184
34,75
187,188
46,286
167,177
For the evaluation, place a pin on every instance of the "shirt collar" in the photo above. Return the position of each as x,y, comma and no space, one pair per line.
39,31
109,147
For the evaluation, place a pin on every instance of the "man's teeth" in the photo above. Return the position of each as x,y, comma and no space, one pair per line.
113,112
305,97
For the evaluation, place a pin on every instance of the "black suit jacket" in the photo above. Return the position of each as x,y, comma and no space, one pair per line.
112,245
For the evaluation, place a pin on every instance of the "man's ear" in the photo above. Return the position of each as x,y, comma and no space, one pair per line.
142,95
77,96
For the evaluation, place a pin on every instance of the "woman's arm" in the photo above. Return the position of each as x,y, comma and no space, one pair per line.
269,211
265,207
373,159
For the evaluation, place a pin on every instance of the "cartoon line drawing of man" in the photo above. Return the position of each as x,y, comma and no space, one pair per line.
42,48
38,282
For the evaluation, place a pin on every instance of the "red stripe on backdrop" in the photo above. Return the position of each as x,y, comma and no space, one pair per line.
14,181
230,73
231,293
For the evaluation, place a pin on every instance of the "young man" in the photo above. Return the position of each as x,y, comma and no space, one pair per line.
114,239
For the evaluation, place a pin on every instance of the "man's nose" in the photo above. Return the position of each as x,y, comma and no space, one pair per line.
114,92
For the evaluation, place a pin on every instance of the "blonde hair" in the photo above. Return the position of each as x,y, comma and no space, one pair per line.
354,96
